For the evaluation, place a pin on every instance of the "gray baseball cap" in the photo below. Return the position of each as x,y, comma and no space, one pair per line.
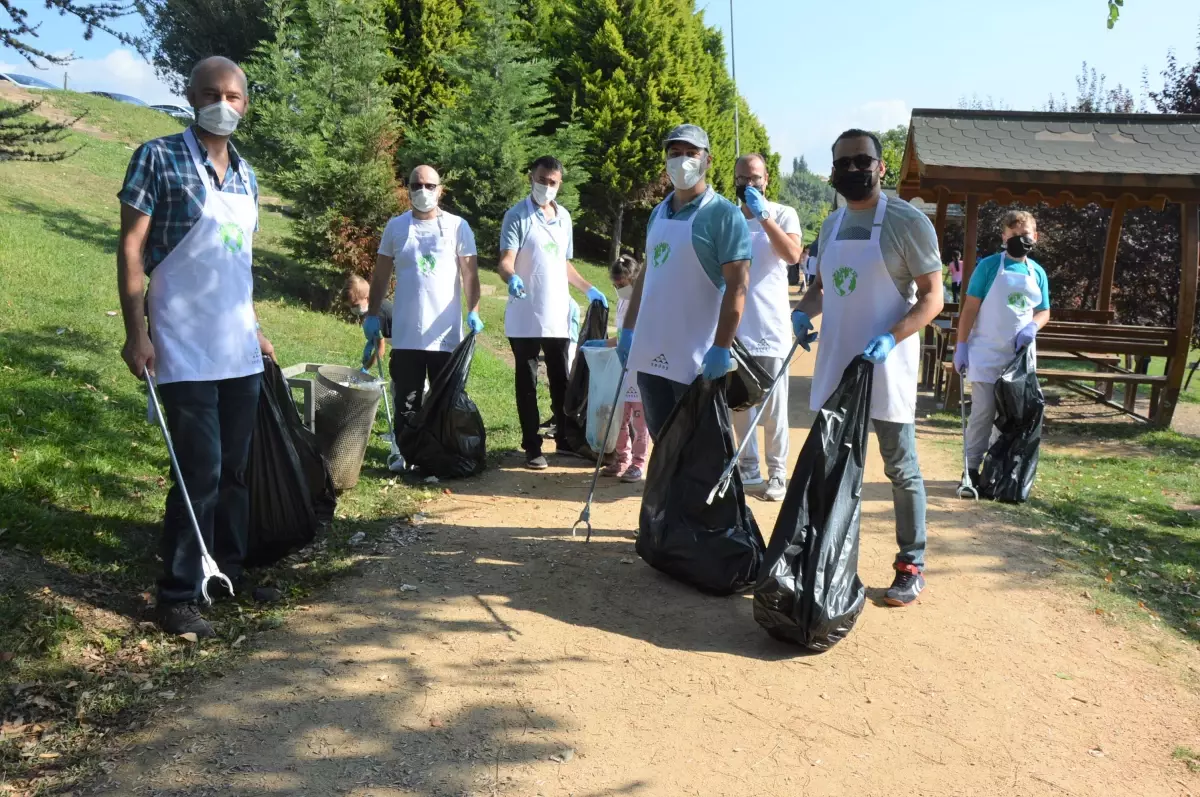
692,134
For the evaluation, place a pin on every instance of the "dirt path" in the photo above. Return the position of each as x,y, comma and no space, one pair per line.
528,663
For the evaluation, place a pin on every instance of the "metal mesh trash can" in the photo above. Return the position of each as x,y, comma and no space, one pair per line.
346,401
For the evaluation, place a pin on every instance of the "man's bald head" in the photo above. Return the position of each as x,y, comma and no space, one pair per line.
424,174
217,79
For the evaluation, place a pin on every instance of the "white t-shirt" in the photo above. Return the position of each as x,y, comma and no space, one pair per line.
395,234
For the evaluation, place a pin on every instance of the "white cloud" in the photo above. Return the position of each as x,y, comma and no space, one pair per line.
122,71
812,132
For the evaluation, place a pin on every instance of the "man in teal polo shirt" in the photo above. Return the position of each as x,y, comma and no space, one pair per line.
688,300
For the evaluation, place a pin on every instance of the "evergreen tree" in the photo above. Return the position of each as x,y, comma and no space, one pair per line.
484,143
321,122
185,31
423,35
893,142
809,194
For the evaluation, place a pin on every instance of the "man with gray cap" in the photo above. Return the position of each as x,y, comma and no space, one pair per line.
688,300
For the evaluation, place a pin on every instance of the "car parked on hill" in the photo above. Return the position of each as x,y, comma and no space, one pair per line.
180,112
27,82
112,95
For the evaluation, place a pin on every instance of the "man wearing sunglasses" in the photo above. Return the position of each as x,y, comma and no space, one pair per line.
775,243
688,300
878,283
433,255
537,242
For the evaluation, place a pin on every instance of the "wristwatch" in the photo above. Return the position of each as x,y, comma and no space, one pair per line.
764,214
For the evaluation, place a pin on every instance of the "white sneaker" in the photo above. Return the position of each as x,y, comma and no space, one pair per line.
776,489
751,478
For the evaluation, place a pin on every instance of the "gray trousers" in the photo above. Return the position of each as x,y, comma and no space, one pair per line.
981,424
774,419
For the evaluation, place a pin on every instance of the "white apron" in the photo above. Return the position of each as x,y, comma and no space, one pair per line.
860,302
677,319
542,265
766,327
1007,308
201,296
427,313
631,392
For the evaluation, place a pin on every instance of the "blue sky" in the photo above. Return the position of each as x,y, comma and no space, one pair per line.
811,69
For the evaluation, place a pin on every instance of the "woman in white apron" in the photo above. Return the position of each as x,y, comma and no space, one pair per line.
1007,302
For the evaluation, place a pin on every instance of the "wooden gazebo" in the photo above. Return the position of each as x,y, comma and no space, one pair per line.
1118,161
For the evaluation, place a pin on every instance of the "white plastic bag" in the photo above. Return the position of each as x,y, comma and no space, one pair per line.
604,377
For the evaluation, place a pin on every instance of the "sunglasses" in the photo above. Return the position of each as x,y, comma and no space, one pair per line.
419,186
860,162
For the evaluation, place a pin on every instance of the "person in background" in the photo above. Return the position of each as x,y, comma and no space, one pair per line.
189,210
801,268
688,300
810,267
1007,303
629,459
879,283
775,240
956,268
432,253
358,297
536,247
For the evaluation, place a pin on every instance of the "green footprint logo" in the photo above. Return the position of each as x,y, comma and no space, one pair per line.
661,253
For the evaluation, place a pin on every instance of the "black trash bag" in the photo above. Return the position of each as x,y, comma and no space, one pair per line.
718,548
746,385
446,438
571,431
291,492
810,593
1011,463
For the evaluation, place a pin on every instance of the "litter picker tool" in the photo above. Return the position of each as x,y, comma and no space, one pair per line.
722,485
207,565
966,489
585,516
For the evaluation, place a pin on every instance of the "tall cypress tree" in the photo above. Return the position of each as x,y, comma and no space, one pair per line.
423,35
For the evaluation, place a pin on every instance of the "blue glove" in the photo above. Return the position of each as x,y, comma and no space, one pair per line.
370,327
598,343
474,322
717,362
368,351
803,327
1025,336
594,295
961,358
516,287
624,344
755,201
878,349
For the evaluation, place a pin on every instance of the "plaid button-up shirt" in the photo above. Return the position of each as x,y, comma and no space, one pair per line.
162,182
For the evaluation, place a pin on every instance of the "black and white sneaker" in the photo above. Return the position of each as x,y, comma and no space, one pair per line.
906,586
184,618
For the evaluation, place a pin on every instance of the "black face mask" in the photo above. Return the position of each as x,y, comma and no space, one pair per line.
741,193
1019,245
855,185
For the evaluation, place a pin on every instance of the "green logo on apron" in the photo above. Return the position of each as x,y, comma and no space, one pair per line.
661,253
426,264
845,280
231,237
550,248
1018,302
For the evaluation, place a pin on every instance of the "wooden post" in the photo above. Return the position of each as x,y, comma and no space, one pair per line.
1109,269
939,221
1189,274
953,385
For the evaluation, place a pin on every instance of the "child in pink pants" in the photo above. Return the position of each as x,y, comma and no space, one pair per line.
629,460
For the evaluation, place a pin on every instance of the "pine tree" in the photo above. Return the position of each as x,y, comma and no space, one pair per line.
484,143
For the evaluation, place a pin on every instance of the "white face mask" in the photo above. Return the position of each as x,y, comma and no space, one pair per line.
625,293
423,199
543,194
220,118
358,310
684,172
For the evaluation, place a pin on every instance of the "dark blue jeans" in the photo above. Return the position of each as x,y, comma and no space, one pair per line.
211,424
659,397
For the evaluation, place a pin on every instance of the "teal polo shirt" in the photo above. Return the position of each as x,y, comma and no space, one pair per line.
986,270
719,231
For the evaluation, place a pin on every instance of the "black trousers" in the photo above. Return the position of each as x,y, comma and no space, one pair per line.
409,368
211,424
525,351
